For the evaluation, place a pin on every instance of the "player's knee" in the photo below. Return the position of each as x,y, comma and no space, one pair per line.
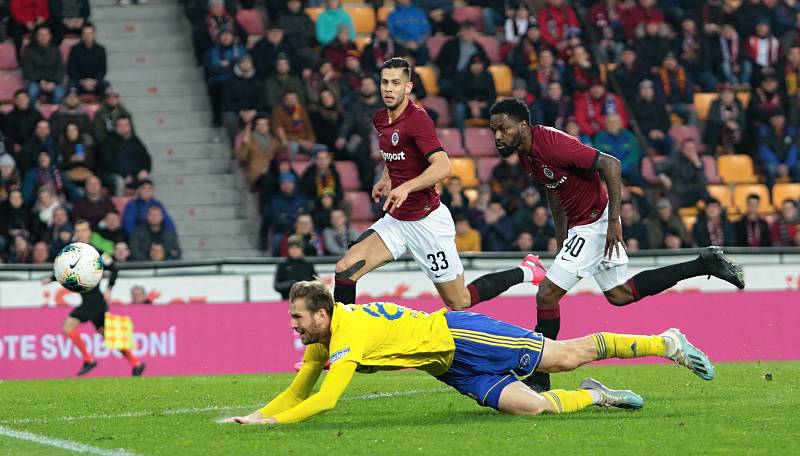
535,405
347,270
545,299
618,297
460,303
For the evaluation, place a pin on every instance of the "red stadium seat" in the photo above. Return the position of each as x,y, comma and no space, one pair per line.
8,57
47,110
480,142
348,172
491,46
472,14
710,169
64,49
251,20
120,202
451,141
299,167
485,168
435,44
10,81
361,206
441,107
680,133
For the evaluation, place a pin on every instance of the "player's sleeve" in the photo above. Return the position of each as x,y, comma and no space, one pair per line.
425,135
111,266
313,362
325,399
566,150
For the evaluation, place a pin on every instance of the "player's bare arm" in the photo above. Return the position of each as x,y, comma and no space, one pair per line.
383,186
559,218
610,171
438,171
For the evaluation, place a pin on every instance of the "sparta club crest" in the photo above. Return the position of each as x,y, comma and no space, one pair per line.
547,172
395,137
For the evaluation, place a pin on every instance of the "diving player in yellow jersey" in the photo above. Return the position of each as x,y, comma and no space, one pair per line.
479,356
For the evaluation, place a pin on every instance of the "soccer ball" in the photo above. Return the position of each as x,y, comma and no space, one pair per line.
78,267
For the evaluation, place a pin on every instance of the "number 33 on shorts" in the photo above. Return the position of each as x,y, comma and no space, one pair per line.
438,261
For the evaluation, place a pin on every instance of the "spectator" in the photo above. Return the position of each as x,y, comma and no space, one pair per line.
630,74
305,230
474,93
675,87
468,239
323,209
219,63
135,212
559,25
684,176
336,51
712,227
293,126
439,16
508,181
573,129
25,16
519,89
105,119
606,17
122,252
42,139
154,232
694,55
123,158
299,32
540,229
752,229
93,207
321,177
257,150
242,96
43,67
763,49
654,45
651,115
86,65
40,253
726,122
356,129
646,12
293,269
77,153
497,231
59,222
278,84
340,235
623,145
663,222
139,296
20,252
454,197
792,79
524,57
633,230
111,228
382,48
729,58
556,107
327,116
455,56
207,33
324,78
592,107
156,252
530,200
69,16
266,50
351,76
766,101
581,72
784,226
524,242
45,174
516,25
20,123
329,21
46,204
284,208
15,219
409,25
70,111
10,178
778,150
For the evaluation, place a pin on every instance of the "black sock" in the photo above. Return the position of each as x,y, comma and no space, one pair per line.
654,281
344,291
548,322
490,286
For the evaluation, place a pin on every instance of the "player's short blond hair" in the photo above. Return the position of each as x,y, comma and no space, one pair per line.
314,293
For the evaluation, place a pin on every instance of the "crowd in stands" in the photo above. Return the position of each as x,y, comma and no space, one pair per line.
68,148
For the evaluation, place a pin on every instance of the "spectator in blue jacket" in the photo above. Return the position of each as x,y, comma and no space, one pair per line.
410,27
284,208
778,151
219,64
135,213
497,231
46,174
328,22
621,144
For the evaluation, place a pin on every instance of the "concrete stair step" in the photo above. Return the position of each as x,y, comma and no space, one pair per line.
161,89
196,181
96,3
154,120
180,167
136,12
152,27
187,150
186,134
149,59
212,196
148,43
188,213
230,227
202,243
156,75
179,103
222,253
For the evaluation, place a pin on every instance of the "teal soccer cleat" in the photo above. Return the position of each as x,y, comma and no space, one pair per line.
688,355
624,399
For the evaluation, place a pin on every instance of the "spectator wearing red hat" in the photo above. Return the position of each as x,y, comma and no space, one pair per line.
409,25
592,107
474,93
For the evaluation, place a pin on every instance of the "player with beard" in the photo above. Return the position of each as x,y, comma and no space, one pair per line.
415,219
588,226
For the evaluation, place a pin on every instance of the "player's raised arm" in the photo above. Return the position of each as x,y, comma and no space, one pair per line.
610,170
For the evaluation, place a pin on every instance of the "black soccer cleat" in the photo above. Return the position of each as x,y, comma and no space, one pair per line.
721,267
87,367
538,381
137,371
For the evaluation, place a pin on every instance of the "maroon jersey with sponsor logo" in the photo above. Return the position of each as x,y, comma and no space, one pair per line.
406,143
563,165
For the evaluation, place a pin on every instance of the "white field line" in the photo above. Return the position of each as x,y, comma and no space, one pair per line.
62,444
211,408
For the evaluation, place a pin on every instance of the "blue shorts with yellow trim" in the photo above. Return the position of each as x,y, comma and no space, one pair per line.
490,354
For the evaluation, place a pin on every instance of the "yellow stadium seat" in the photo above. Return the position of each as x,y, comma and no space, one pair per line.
363,18
465,169
384,12
742,191
687,211
702,103
783,191
429,79
362,42
314,12
688,221
503,79
721,193
744,98
736,169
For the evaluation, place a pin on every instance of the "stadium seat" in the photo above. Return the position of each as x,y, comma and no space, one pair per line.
120,202
348,172
744,98
485,168
48,109
465,169
8,57
721,193
384,12
428,75
702,103
472,14
480,142
361,206
6,108
451,141
10,81
299,167
687,211
736,169
680,133
363,18
314,12
64,49
742,191
688,221
783,191
649,169
441,107
435,44
491,46
362,42
252,21
710,169
503,79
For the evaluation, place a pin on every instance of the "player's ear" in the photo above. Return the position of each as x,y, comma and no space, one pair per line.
409,87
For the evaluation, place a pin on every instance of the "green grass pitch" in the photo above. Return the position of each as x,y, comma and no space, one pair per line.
751,408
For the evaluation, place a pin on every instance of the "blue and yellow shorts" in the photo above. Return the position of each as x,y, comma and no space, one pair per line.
489,355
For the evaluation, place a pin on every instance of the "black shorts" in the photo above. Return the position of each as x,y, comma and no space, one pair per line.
92,309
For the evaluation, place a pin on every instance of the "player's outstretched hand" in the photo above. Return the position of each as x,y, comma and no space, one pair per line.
382,187
396,198
248,420
46,280
614,238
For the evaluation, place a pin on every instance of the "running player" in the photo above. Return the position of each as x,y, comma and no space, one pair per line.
588,226
415,219
93,308
480,357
